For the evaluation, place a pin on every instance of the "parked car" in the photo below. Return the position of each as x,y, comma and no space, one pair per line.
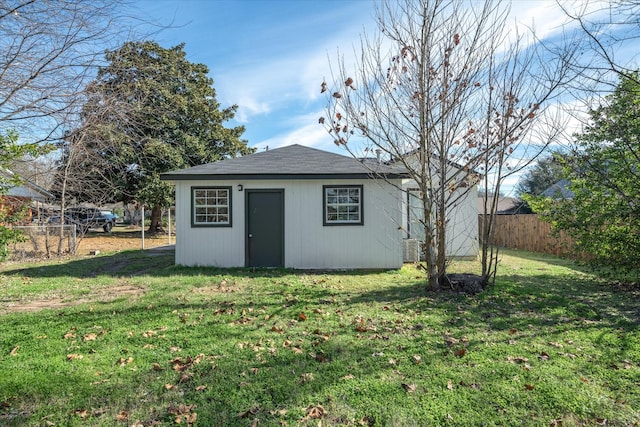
113,217
57,219
87,218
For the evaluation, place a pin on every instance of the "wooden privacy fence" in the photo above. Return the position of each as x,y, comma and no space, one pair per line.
528,232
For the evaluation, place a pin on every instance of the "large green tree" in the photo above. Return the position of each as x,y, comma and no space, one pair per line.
604,215
543,174
149,111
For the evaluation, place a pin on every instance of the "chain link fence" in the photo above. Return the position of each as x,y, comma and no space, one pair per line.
41,241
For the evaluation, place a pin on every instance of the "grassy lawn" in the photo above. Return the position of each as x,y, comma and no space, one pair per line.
133,341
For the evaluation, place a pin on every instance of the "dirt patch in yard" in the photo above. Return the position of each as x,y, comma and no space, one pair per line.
106,294
119,239
122,238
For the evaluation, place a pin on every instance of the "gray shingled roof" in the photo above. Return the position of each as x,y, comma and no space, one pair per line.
291,162
559,190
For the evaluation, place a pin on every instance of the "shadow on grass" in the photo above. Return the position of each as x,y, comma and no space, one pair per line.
155,262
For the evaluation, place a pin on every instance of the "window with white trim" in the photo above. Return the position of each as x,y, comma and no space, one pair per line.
415,214
343,205
211,206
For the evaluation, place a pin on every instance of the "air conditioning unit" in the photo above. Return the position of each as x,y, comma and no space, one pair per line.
411,250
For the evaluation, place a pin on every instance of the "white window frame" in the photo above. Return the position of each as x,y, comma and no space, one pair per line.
337,200
213,206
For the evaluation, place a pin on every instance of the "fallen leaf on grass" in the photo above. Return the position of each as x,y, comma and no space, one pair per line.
185,377
416,359
82,413
74,356
122,416
319,357
169,386
556,423
306,377
184,413
69,335
460,352
544,356
250,411
315,412
410,388
302,317
90,337
157,367
529,386
190,418
124,362
14,351
450,385
201,388
279,412
451,341
348,377
517,359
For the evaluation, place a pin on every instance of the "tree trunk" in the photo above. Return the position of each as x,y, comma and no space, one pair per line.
156,220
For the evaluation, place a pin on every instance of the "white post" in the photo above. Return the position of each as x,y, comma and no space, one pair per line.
169,222
142,222
75,243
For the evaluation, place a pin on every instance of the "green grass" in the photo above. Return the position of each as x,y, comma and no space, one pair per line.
137,341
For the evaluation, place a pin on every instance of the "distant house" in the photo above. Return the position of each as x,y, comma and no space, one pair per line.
505,205
15,196
559,190
294,207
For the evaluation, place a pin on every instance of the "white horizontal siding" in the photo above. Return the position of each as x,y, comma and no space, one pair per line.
308,243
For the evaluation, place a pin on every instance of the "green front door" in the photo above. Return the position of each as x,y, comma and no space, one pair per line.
264,240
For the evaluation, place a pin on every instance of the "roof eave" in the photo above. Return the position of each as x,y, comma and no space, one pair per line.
254,177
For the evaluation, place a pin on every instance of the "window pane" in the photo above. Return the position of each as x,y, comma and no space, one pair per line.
343,205
211,206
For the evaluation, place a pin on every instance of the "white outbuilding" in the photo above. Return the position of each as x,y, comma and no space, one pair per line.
294,207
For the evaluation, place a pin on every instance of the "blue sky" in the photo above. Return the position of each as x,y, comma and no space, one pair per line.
267,57
270,56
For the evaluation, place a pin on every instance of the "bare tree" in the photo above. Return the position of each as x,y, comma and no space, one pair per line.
424,92
608,34
48,50
518,125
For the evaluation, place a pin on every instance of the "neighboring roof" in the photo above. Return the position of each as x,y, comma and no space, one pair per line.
504,205
559,190
416,151
26,189
291,162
